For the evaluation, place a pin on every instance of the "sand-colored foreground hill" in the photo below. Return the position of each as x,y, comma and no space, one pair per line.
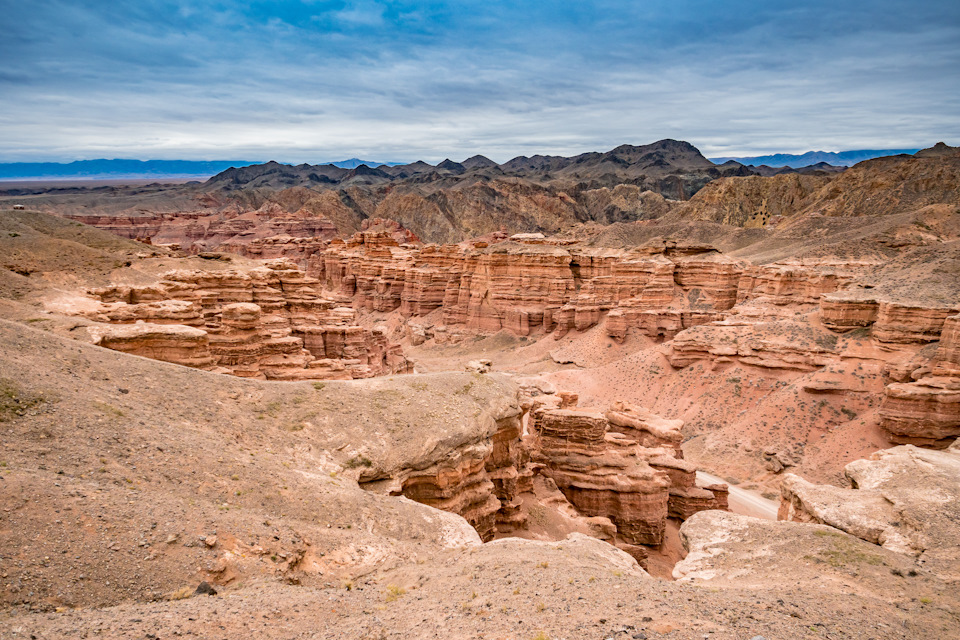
128,481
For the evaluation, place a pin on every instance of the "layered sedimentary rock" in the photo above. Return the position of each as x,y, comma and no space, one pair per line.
600,480
530,287
479,474
791,283
624,465
229,227
776,345
926,412
267,322
947,360
843,311
905,499
459,484
179,344
910,323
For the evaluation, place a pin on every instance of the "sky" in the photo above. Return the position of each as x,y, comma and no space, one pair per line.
318,80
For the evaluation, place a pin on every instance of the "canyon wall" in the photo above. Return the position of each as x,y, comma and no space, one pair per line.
268,322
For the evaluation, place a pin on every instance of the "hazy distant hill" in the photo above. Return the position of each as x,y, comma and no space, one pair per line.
840,158
104,169
116,169
353,163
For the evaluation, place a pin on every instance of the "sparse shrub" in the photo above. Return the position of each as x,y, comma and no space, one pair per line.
319,386
180,594
14,401
358,461
394,592
108,409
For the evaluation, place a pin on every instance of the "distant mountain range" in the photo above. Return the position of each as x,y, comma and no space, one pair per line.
673,168
123,169
837,159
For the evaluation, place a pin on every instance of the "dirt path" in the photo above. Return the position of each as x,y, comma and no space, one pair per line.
745,502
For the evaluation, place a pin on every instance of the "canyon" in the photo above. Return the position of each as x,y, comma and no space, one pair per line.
478,400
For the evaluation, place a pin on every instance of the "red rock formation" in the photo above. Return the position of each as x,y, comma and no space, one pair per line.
947,360
527,288
624,465
179,344
790,283
264,322
847,310
599,481
906,323
459,484
776,345
926,412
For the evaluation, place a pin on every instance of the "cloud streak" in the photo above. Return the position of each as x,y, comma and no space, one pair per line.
320,80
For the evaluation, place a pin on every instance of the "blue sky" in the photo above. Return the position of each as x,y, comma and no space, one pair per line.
315,80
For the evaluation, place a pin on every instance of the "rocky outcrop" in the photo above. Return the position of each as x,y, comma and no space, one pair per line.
600,479
796,284
774,345
267,322
751,201
461,485
474,467
923,406
947,360
179,344
899,322
905,499
848,310
926,412
532,287
625,465
229,227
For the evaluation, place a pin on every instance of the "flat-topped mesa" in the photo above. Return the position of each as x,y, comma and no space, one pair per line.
845,310
179,344
926,412
624,465
784,344
509,289
528,288
268,322
230,230
645,427
783,284
899,322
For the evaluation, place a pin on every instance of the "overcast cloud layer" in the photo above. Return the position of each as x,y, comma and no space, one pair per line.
316,80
